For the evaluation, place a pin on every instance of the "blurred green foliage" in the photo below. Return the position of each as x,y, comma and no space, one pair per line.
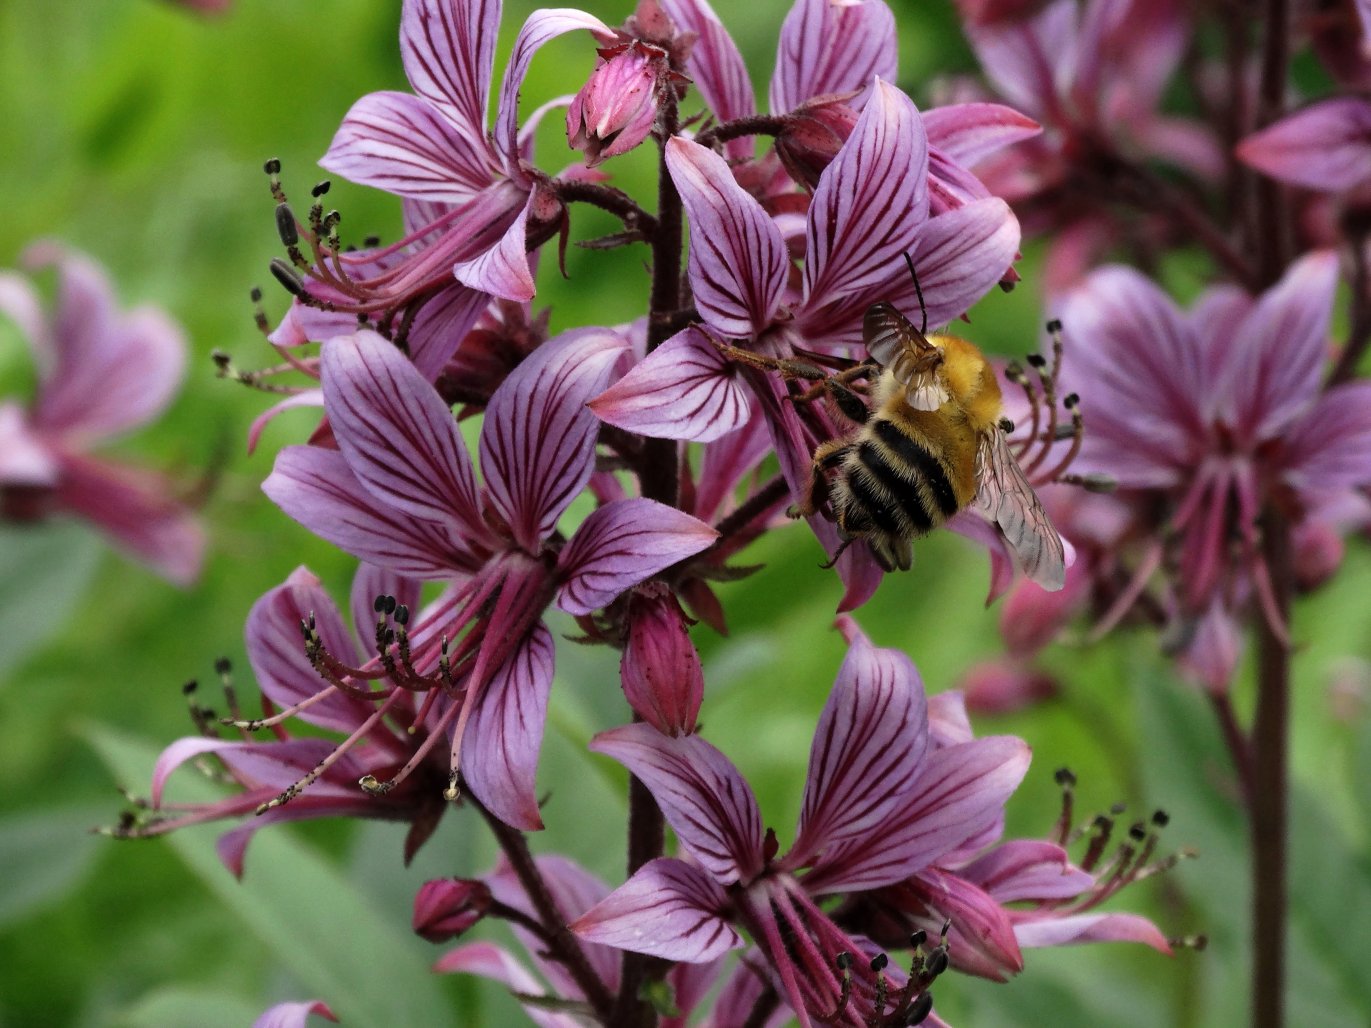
136,131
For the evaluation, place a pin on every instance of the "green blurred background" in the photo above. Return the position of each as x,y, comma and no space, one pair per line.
136,131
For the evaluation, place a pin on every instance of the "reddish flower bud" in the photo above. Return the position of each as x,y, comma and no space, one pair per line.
814,133
1032,617
1319,549
444,908
660,670
1005,686
617,107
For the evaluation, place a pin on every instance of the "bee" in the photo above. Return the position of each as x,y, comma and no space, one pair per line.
932,443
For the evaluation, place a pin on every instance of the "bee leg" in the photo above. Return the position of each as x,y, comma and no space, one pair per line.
826,458
788,368
853,407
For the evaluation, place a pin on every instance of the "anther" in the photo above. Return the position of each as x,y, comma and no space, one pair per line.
402,615
287,276
320,188
223,666
285,225
936,963
272,167
920,1009
379,604
390,604
879,962
1006,426
1071,401
843,960
190,687
1065,777
371,242
1137,831
1161,818
918,939
1036,360
372,786
451,793
1054,326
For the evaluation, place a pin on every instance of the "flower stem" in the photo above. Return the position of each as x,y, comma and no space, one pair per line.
1270,788
562,946
1359,313
1272,229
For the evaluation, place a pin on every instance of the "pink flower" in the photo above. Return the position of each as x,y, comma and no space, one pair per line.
401,492
101,373
853,836
1218,412
1326,146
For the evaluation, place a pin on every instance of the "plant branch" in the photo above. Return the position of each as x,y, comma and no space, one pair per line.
1272,231
757,125
1359,314
563,947
616,202
1270,786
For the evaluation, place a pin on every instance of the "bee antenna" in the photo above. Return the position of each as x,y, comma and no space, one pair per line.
918,291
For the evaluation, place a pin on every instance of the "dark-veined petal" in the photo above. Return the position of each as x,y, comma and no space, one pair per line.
448,49
828,47
541,27
316,487
738,261
866,754
716,68
704,798
1027,869
505,733
407,146
1330,447
400,439
684,389
1076,928
538,439
668,909
503,270
960,256
960,792
277,652
871,203
624,543
981,941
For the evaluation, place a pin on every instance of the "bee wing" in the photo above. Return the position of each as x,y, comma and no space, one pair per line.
894,343
1006,498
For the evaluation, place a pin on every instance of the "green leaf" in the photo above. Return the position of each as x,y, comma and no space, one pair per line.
202,1008
44,567
303,909
45,855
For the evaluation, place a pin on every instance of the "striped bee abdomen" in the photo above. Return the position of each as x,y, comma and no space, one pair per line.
893,484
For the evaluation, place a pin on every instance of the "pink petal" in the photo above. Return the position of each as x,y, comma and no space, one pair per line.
316,487
738,261
828,47
1025,59
968,132
490,961
138,512
871,203
624,543
405,145
1277,364
370,582
538,439
716,68
400,439
25,457
20,303
960,256
448,49
1330,447
541,27
294,1015
961,791
441,325
277,651
948,723
1066,931
725,463
505,733
704,798
83,316
177,754
503,270
982,940
1326,146
684,389
307,398
874,728
668,909
1140,373
1027,869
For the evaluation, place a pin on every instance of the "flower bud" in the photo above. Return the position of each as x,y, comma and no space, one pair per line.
660,670
1005,686
444,908
813,134
617,107
1318,550
1032,617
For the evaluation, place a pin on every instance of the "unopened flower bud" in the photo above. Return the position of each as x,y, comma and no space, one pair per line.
1032,617
444,908
814,133
1005,686
616,109
660,670
1318,550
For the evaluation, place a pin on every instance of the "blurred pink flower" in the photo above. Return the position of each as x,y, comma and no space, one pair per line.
101,373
